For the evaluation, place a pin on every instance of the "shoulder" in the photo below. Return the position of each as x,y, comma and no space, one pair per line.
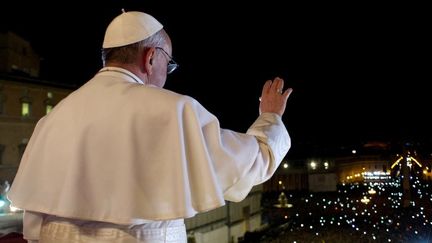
184,104
167,96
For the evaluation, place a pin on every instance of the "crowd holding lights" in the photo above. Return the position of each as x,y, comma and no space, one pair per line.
368,211
354,213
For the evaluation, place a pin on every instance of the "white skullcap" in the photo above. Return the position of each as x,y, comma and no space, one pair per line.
130,27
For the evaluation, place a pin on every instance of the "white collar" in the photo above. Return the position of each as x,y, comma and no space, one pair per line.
130,76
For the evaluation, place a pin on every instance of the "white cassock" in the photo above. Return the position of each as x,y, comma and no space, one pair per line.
120,152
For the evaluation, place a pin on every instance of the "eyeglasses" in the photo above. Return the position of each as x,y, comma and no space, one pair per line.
172,65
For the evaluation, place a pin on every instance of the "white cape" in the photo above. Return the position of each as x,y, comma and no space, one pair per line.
117,151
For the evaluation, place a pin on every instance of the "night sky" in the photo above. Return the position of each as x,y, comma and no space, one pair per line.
358,71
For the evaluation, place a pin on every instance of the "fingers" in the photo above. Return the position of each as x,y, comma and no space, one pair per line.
287,93
273,98
279,84
275,86
266,87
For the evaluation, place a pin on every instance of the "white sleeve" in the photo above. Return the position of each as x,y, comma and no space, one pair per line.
32,223
273,141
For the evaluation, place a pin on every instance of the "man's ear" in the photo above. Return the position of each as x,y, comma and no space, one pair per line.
148,59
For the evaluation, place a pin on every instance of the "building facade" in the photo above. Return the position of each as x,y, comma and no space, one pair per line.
290,176
368,162
229,223
23,101
17,56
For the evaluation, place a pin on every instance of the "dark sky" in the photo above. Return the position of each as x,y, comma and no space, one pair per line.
358,71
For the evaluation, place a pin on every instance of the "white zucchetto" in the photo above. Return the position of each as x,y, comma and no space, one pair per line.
129,28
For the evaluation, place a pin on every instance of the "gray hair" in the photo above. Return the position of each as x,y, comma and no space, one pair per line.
127,54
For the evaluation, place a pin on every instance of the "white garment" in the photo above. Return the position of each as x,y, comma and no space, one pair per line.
58,230
42,228
117,151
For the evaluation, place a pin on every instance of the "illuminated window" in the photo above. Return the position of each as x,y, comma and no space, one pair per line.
25,109
48,108
26,102
49,104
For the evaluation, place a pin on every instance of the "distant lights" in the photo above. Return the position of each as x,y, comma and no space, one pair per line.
313,165
365,200
351,210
